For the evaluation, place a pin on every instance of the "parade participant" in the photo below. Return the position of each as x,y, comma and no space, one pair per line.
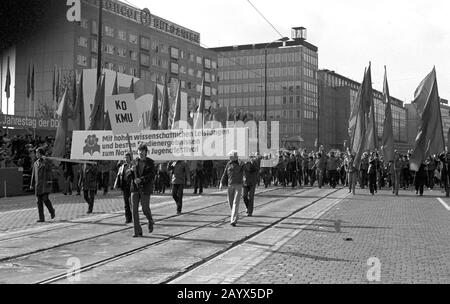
233,176
320,166
396,171
292,170
311,170
123,182
250,181
420,178
89,185
405,173
68,177
141,188
363,167
351,173
305,168
103,175
40,180
372,173
445,172
299,175
199,174
430,166
180,173
332,166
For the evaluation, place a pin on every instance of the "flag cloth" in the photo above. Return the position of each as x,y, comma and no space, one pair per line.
115,91
387,141
199,121
430,136
97,118
364,136
131,89
177,110
57,84
59,147
165,107
154,121
8,81
78,109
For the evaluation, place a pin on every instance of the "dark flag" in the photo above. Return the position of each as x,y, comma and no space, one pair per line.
387,141
165,107
97,118
199,121
430,136
362,124
177,110
59,147
8,81
78,111
154,123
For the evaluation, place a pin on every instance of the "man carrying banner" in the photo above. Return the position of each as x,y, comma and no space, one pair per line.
142,188
41,182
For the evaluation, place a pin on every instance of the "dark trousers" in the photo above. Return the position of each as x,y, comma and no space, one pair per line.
89,197
249,195
103,181
430,178
419,183
41,200
373,183
293,176
198,185
333,174
68,184
363,180
144,199
127,205
177,194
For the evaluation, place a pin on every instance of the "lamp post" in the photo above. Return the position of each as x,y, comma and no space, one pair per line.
265,73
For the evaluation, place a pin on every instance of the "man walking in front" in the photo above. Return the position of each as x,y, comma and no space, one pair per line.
179,178
250,181
233,175
141,188
40,180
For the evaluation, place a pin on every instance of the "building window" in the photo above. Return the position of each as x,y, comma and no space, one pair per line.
191,72
121,68
82,60
93,62
207,77
174,68
214,64
133,71
84,23
183,84
122,35
163,48
174,53
94,45
109,31
145,60
207,91
121,52
109,66
182,69
134,55
94,29
82,41
165,64
146,75
199,74
133,39
145,43
207,63
199,60
109,49
182,54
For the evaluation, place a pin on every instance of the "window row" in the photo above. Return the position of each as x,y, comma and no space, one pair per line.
225,60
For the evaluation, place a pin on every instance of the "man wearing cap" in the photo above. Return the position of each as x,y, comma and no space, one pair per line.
233,175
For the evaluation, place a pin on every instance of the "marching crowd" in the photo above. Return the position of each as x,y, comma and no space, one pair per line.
138,179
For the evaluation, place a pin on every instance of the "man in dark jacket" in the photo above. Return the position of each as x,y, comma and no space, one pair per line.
40,180
141,189
179,179
250,181
233,175
198,178
123,182
89,185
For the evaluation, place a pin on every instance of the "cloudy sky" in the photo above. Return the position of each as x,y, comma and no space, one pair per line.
408,36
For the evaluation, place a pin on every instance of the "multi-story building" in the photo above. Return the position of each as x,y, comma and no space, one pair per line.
337,94
135,42
291,69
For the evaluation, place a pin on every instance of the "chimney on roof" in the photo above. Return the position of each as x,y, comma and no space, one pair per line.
298,33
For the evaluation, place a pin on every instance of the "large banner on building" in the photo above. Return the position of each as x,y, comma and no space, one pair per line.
23,122
163,145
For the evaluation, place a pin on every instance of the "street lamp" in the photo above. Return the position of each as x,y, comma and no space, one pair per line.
265,73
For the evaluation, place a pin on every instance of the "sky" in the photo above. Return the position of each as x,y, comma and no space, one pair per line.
408,36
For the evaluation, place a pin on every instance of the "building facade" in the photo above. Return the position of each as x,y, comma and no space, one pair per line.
337,94
291,89
135,42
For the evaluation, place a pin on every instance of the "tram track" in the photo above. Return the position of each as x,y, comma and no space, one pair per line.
194,266
9,258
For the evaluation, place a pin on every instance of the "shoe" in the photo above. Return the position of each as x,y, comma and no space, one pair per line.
128,222
233,224
137,235
40,221
89,211
53,215
65,193
150,227
178,212
249,215
78,193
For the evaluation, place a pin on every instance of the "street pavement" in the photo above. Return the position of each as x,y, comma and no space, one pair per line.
295,236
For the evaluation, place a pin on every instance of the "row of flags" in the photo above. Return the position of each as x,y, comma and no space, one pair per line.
363,129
